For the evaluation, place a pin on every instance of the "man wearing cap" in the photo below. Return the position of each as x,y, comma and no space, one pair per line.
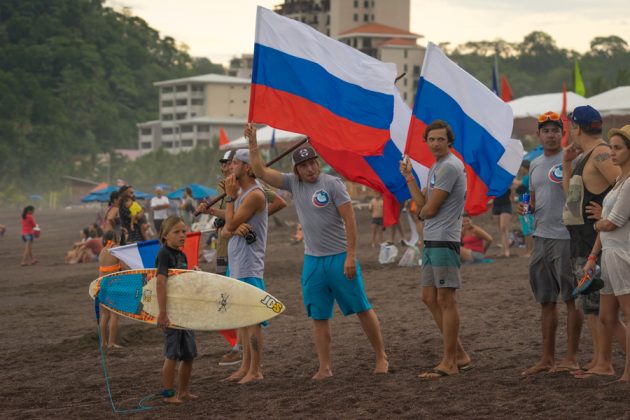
550,263
275,204
246,229
160,205
588,177
330,272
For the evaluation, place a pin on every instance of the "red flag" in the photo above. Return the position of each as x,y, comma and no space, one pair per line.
191,248
506,90
563,116
223,138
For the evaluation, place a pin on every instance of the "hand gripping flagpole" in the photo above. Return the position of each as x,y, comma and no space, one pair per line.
210,203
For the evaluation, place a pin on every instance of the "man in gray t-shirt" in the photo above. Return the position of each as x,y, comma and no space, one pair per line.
330,272
550,273
441,206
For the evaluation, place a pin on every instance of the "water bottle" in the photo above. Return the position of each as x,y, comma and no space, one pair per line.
527,219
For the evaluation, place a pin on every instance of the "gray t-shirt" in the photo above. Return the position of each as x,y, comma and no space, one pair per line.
545,181
447,174
316,205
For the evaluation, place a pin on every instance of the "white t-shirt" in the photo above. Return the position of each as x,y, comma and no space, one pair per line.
159,214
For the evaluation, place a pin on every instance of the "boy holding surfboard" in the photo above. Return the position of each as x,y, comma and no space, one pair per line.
179,345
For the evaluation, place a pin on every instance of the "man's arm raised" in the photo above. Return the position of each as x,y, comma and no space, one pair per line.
270,176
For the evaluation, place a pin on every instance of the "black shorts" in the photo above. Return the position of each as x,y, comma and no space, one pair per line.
377,221
179,344
498,209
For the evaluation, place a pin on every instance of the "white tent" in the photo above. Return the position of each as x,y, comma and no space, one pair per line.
612,102
263,135
534,105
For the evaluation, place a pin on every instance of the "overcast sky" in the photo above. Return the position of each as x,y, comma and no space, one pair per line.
221,29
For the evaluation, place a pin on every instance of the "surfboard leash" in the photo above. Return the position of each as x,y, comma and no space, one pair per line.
141,407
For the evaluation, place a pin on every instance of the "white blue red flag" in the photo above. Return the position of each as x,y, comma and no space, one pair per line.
481,122
306,82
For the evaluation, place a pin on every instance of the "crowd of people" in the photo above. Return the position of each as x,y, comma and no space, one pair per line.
575,215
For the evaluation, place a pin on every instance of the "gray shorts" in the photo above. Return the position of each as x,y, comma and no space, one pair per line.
179,344
550,271
440,264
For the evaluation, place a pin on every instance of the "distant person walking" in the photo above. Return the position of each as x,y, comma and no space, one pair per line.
28,235
187,207
376,207
112,219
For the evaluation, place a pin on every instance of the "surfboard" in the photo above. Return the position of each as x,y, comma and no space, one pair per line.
196,300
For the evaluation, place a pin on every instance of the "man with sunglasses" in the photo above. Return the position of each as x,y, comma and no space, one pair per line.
550,263
588,177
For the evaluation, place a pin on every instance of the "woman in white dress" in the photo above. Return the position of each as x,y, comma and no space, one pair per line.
614,243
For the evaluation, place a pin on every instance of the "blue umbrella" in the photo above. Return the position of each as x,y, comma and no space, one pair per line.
90,198
36,197
143,196
105,191
533,154
198,192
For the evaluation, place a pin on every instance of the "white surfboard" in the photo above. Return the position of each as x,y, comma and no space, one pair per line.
196,300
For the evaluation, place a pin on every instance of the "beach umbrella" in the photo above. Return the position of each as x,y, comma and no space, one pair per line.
163,187
198,192
143,196
91,198
105,191
533,154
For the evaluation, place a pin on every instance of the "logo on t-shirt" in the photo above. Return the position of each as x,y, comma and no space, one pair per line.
432,181
555,173
321,198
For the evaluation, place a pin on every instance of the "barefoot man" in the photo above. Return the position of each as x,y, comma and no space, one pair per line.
330,271
441,207
550,273
246,228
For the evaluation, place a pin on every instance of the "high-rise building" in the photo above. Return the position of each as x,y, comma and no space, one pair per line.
193,110
379,28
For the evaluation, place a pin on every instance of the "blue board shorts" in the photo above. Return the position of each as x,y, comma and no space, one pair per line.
323,283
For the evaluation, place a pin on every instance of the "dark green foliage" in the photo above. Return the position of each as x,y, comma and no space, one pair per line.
75,78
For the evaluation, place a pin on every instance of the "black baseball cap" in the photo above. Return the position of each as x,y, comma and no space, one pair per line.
228,156
303,154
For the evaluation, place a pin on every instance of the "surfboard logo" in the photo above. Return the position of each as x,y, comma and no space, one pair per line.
555,173
272,304
321,198
223,302
146,296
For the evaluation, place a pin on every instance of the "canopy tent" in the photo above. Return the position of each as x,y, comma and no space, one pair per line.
198,192
534,105
101,195
612,102
263,135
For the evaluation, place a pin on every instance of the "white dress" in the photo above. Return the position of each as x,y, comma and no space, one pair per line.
616,244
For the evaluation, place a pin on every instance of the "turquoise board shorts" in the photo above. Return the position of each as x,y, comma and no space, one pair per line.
323,283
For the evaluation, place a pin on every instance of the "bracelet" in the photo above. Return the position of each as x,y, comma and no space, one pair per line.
410,179
592,257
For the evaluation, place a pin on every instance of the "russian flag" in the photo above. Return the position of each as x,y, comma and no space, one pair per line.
381,173
306,82
142,254
481,122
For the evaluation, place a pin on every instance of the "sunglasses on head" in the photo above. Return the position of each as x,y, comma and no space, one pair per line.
548,116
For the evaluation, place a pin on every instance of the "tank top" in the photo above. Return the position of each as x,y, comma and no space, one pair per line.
583,234
474,243
248,260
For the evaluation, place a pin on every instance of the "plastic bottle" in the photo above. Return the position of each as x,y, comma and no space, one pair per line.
527,219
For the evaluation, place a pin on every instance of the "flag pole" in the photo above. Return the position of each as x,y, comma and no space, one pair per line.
210,203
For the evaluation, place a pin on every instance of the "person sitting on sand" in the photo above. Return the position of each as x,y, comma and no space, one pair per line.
475,242
87,249
550,273
109,264
331,272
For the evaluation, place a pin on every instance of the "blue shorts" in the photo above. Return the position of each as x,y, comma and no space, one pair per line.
28,237
323,282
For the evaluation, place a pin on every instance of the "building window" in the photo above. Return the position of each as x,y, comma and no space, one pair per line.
196,101
187,129
366,4
197,88
167,144
405,67
181,102
405,53
366,18
187,143
355,17
203,128
356,4
416,70
146,131
231,101
181,116
167,117
181,88
167,103
405,95
203,143
145,145
372,18
167,130
167,89
405,81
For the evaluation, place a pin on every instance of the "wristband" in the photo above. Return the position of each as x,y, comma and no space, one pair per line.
592,257
410,179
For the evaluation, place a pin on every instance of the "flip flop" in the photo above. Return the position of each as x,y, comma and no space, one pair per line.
434,374
466,368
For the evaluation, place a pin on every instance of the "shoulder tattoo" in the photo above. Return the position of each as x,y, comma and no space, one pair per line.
602,157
